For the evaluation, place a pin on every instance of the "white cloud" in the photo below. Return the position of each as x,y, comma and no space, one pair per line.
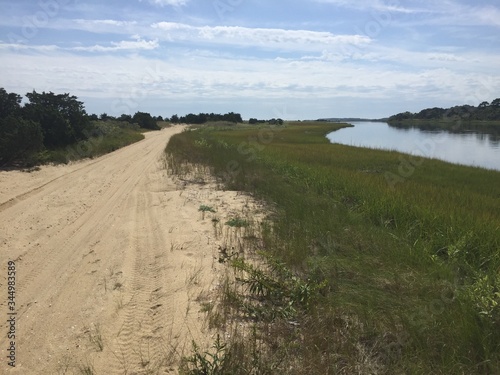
96,25
25,47
478,15
138,44
392,6
168,2
107,22
446,12
213,77
256,37
124,45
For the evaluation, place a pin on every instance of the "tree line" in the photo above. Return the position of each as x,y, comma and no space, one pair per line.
47,121
203,118
483,112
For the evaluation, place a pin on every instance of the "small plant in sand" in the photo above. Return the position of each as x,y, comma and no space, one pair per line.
95,337
203,208
206,363
237,222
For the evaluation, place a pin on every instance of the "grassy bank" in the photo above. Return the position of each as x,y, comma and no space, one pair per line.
105,137
394,261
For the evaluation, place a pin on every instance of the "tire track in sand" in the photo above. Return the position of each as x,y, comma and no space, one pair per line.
145,337
57,283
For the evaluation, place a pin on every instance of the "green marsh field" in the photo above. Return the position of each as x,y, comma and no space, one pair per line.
375,261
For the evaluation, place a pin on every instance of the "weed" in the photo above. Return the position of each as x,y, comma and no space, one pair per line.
206,363
237,222
95,337
64,365
195,276
204,209
86,368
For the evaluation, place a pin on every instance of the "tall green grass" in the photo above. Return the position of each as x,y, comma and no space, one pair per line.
412,268
106,137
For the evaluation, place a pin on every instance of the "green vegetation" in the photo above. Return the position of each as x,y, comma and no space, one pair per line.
204,208
56,128
107,137
237,222
452,116
484,118
203,118
207,363
145,121
360,273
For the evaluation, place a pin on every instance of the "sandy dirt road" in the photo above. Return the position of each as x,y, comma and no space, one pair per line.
111,256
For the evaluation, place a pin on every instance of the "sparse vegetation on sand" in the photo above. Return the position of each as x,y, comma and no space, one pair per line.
371,262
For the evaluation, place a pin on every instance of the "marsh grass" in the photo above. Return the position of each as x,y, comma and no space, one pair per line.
409,272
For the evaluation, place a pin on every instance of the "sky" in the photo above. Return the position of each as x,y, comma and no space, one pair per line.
294,59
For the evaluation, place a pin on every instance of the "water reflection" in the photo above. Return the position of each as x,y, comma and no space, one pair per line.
463,146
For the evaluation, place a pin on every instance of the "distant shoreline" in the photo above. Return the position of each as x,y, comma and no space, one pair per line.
349,119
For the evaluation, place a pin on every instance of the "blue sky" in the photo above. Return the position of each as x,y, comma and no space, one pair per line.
299,59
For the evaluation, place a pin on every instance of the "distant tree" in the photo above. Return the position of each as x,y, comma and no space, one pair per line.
202,118
430,113
145,120
19,139
275,121
483,112
159,118
233,117
104,117
10,103
461,111
495,103
191,118
93,117
253,121
125,118
62,117
401,116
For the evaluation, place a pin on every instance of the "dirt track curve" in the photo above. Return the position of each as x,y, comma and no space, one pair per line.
110,257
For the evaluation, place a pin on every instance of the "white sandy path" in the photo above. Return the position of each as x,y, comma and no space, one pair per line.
107,250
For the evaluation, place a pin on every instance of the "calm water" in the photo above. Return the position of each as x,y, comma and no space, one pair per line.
476,149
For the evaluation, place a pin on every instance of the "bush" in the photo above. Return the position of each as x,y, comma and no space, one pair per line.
19,139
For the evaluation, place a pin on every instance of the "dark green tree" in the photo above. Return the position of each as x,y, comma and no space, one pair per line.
145,120
126,118
10,103
19,139
62,117
232,117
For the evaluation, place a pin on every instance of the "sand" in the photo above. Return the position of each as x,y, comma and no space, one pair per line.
112,257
